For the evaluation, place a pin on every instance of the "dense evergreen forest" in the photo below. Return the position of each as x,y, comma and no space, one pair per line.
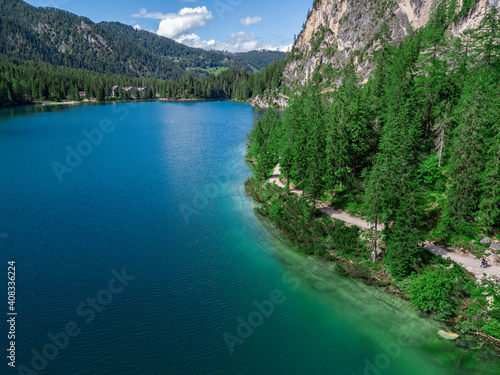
261,59
28,82
198,61
416,148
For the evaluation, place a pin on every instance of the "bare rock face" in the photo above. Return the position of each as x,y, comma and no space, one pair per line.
337,31
475,16
270,101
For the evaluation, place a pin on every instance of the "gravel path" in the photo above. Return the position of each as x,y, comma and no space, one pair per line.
468,261
330,211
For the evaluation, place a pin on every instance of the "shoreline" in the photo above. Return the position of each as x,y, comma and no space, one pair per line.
70,102
348,265
93,101
467,261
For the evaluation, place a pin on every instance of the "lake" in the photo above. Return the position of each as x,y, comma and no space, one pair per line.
137,252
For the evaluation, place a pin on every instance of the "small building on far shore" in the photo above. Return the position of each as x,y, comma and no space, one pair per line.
114,91
142,90
81,94
130,90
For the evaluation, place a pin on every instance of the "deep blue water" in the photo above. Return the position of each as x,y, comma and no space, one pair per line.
159,197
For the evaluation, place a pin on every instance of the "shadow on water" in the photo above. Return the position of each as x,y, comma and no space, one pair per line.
34,109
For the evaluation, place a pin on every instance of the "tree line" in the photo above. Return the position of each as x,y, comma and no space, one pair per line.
25,82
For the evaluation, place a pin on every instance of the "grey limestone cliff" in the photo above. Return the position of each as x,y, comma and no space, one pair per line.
337,31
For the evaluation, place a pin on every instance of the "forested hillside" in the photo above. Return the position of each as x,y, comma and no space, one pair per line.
416,147
197,60
260,59
63,39
28,82
50,54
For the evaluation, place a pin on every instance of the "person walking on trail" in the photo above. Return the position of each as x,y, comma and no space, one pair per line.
484,263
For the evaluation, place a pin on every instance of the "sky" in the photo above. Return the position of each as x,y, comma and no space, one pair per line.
230,25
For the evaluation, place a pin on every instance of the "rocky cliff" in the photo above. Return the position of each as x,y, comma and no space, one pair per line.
337,31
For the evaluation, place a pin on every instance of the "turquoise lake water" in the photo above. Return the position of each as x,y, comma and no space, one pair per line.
153,192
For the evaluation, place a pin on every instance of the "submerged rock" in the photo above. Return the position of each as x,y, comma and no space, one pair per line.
447,335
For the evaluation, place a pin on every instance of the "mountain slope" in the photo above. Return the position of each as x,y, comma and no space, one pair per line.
184,56
260,59
340,31
195,59
64,39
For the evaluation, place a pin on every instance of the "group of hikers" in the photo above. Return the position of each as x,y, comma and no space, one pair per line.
484,263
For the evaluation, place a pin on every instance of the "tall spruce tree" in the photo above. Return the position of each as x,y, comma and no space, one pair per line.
315,140
392,184
468,155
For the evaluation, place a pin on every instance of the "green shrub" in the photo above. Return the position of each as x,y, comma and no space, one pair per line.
495,314
438,290
344,238
430,175
493,328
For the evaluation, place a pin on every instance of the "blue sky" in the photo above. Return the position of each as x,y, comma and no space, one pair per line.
233,25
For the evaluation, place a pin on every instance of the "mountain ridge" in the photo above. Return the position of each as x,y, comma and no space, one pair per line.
62,38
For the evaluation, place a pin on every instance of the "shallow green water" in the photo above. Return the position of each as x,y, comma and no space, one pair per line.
162,195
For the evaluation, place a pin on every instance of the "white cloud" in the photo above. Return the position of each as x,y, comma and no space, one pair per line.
138,27
177,24
194,40
250,20
238,42
143,13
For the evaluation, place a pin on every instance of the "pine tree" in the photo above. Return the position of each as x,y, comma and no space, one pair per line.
294,158
487,40
313,174
392,186
468,155
490,199
489,206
